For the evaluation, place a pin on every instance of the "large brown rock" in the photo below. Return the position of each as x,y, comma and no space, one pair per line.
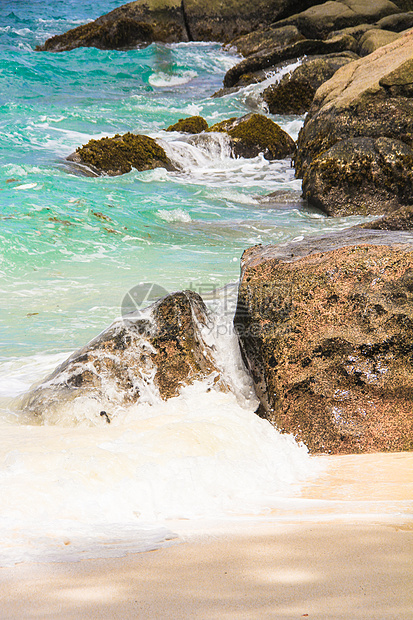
375,38
140,358
369,98
126,26
327,334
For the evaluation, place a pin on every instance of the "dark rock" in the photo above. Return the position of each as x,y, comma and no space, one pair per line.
318,21
254,134
294,93
267,59
402,219
265,39
397,23
369,98
192,124
354,31
170,21
140,358
327,334
127,26
373,39
118,155
361,175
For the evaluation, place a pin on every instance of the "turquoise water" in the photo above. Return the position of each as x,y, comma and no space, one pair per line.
71,246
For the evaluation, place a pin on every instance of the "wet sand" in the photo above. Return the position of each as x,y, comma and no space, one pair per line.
346,553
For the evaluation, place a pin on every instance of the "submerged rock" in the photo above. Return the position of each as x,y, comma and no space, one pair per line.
355,151
118,155
402,219
294,93
143,357
327,334
192,124
253,134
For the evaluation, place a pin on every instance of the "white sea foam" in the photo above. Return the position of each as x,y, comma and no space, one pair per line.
162,79
174,215
80,491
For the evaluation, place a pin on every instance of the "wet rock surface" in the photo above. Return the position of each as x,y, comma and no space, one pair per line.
140,358
253,134
192,124
294,93
118,155
359,134
326,330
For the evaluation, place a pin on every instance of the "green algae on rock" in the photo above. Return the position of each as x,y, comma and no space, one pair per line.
355,151
192,124
327,335
255,133
118,155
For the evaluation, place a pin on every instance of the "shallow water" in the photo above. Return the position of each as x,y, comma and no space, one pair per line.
71,247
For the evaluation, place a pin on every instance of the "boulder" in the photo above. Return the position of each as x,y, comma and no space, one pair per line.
143,357
118,155
375,38
294,93
267,59
366,176
192,124
127,26
326,329
253,134
266,39
397,22
402,219
369,98
318,21
172,21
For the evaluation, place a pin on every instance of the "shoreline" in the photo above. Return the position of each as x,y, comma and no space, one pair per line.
316,570
338,564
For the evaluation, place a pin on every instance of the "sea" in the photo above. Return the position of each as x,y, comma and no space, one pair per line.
74,247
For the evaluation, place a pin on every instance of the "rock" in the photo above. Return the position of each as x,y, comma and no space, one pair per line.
369,98
140,358
318,21
294,93
265,39
327,334
266,60
193,124
171,21
402,219
361,175
118,155
373,39
127,26
253,134
398,22
354,31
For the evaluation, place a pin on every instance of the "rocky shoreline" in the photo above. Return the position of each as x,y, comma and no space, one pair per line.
326,325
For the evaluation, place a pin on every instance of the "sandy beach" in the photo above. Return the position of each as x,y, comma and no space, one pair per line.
345,554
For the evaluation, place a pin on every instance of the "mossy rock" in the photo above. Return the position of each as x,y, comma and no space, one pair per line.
254,134
120,154
290,97
192,124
